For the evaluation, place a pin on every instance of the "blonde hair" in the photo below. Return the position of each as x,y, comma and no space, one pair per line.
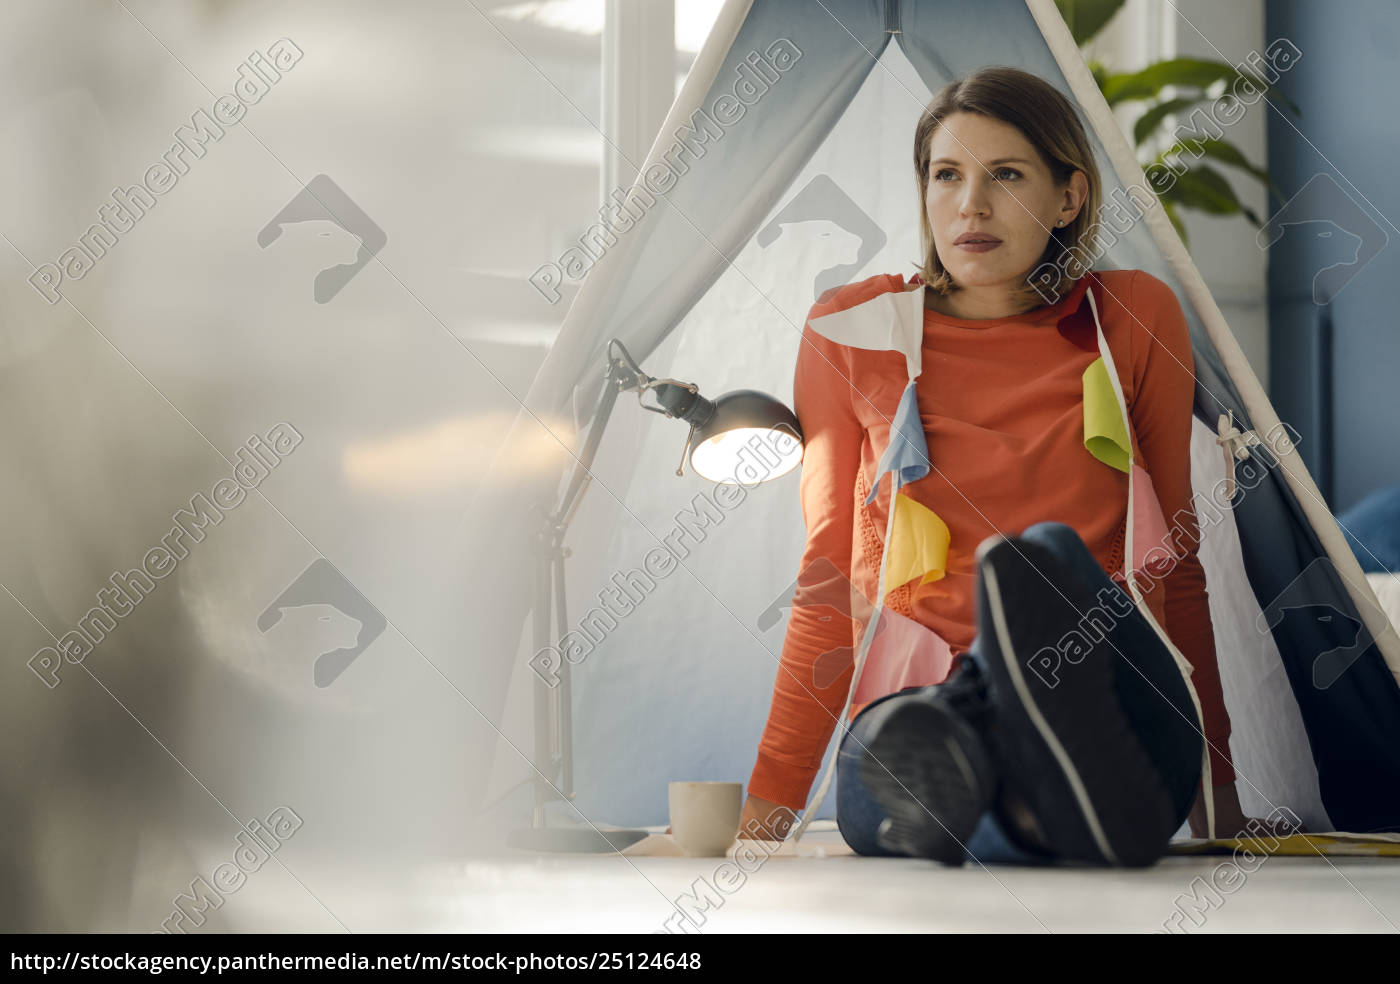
1048,121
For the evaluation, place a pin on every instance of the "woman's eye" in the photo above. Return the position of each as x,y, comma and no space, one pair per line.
998,171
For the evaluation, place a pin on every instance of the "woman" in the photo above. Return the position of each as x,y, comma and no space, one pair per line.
1104,764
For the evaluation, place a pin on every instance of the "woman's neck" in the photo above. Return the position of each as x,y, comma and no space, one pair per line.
959,305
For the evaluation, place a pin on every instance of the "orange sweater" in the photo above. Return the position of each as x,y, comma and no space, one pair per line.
1001,402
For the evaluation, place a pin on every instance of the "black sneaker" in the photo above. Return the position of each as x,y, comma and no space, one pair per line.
930,771
1069,759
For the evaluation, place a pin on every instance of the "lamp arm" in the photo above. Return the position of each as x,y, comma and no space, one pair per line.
617,379
675,398
553,717
553,708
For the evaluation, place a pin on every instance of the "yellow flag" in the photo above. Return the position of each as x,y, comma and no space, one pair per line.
1105,433
918,547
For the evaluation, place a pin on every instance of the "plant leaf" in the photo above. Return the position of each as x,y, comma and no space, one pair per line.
1099,71
1150,120
1087,18
1204,188
1170,209
1222,151
1190,73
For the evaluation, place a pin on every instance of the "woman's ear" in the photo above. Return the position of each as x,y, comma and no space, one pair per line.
1075,196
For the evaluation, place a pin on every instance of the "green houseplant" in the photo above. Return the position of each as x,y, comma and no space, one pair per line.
1192,82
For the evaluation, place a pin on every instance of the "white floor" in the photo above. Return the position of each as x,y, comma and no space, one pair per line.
783,892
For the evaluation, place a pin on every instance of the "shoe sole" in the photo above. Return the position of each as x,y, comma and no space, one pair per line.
1069,750
928,769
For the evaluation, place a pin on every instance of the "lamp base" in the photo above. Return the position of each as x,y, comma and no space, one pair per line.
573,840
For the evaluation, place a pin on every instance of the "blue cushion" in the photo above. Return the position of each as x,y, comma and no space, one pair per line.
1372,529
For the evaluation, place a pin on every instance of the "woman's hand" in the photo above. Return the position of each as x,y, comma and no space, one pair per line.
765,820
1230,820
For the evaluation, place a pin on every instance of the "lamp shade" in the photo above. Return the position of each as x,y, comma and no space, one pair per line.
750,438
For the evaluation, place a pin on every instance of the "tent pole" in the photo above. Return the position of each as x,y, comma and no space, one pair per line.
1322,402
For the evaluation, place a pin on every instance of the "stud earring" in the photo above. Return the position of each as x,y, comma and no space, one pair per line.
1060,223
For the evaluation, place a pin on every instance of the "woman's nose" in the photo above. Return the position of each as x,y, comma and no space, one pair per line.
975,203
975,200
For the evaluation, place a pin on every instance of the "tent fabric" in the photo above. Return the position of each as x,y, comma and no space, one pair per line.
1309,660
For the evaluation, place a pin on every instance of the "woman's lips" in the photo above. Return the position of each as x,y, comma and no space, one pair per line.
986,247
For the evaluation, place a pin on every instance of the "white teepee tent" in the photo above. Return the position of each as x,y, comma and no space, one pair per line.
783,169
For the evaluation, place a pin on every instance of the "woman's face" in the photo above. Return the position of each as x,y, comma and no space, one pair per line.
985,178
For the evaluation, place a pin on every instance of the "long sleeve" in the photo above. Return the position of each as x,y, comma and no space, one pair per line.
1161,411
809,693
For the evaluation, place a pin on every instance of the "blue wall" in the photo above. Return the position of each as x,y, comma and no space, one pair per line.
1339,165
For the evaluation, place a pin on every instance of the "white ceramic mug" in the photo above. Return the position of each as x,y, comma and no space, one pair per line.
705,816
